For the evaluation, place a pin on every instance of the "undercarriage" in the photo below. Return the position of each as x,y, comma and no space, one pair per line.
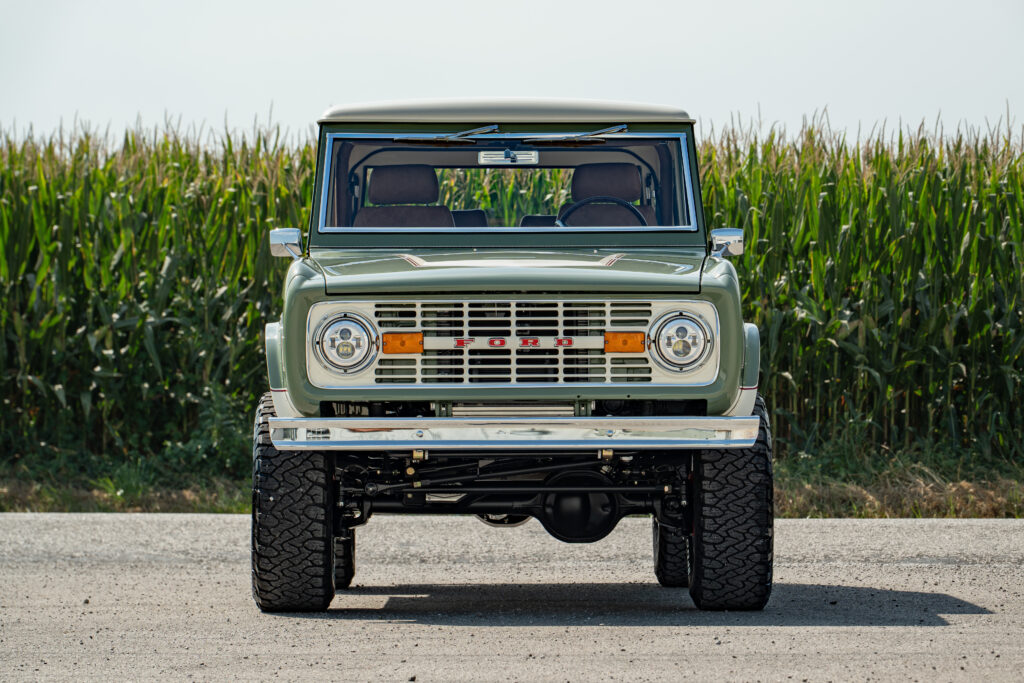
577,497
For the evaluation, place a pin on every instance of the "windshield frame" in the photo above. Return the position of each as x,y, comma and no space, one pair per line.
329,138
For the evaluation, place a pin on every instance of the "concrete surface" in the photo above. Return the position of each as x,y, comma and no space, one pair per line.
114,597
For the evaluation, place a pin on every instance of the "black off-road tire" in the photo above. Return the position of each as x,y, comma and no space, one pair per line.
733,524
344,560
671,555
292,541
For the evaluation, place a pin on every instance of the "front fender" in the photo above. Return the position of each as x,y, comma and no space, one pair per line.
276,372
743,404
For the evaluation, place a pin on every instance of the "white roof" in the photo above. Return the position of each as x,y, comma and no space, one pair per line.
504,109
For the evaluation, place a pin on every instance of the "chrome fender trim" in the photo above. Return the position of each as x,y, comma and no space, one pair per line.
283,405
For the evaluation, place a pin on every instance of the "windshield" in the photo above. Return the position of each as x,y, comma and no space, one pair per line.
499,182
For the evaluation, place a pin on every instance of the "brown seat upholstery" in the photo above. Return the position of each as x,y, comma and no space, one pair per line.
470,218
397,188
607,180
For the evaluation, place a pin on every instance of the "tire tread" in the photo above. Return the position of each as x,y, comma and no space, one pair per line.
292,540
344,560
733,525
671,555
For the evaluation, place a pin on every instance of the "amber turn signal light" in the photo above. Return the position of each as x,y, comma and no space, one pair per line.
624,342
402,342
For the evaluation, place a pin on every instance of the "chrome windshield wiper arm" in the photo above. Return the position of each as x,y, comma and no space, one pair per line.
460,138
592,138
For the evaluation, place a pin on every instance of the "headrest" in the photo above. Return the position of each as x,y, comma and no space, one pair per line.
610,180
413,184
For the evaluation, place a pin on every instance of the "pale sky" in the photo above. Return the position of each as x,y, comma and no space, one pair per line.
116,61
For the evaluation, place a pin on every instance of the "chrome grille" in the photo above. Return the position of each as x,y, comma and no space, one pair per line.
508,319
514,409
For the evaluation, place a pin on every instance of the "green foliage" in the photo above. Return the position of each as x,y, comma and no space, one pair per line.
136,281
887,279
505,194
885,275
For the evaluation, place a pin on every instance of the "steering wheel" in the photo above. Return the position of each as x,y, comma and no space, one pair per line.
560,221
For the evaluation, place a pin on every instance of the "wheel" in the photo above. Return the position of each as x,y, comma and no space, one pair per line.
292,541
732,525
344,560
671,555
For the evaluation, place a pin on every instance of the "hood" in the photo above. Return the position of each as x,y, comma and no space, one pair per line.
509,270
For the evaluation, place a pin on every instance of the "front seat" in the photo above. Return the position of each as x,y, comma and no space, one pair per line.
619,180
396,190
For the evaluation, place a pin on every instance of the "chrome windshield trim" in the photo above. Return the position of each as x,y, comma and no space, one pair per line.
323,228
463,231
489,433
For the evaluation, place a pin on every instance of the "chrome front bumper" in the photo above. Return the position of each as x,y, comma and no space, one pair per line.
490,433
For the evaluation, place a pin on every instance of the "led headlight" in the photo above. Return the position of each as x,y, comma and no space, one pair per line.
346,343
682,341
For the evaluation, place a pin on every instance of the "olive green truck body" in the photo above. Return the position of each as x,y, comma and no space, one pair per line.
442,351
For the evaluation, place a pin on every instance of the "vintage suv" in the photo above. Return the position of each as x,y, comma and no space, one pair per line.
511,309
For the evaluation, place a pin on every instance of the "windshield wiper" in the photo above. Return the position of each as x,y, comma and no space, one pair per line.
593,138
460,138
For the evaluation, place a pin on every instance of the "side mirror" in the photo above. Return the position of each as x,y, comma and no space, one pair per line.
286,242
726,242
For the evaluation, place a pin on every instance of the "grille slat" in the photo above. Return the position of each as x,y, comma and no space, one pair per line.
577,319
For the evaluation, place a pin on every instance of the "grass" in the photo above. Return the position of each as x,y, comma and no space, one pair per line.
846,480
903,494
886,275
222,496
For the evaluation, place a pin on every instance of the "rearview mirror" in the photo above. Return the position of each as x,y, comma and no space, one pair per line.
286,242
727,242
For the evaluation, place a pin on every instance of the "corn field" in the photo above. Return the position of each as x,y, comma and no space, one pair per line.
886,276
506,195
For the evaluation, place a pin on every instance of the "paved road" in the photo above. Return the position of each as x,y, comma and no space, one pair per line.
167,596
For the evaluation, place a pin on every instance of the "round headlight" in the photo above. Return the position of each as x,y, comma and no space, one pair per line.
682,341
345,343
